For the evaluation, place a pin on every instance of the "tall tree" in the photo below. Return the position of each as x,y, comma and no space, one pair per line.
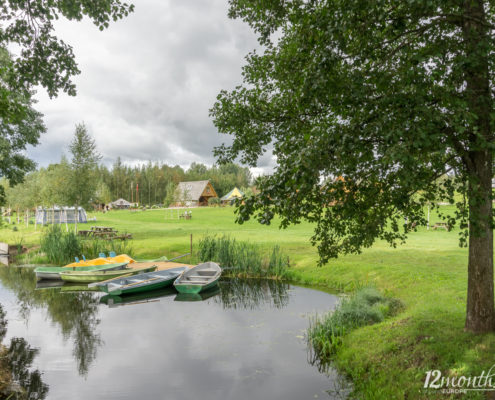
386,96
20,125
84,166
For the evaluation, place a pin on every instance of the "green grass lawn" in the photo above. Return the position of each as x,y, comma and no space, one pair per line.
385,361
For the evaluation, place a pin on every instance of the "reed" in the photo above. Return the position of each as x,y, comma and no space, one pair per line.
59,246
91,248
325,334
243,259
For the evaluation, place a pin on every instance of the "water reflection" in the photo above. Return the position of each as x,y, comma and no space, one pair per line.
251,294
241,340
75,312
18,382
139,298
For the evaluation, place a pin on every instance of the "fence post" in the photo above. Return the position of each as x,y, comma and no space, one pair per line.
190,251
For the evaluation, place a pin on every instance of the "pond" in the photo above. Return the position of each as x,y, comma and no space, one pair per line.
244,340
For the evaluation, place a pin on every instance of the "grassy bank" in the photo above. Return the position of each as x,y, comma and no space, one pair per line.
387,360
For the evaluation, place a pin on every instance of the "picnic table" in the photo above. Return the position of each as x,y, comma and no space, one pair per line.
104,232
441,225
186,215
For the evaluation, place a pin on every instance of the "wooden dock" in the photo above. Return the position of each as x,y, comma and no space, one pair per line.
162,265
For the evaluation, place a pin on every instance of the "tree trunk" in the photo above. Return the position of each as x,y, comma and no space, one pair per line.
480,315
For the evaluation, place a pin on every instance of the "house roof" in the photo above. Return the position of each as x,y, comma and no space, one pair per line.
193,189
121,202
234,193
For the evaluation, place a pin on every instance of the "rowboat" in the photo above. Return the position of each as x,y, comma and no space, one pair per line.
140,283
206,294
98,276
101,261
54,272
199,278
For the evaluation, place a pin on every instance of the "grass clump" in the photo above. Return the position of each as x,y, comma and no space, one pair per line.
325,334
243,258
60,247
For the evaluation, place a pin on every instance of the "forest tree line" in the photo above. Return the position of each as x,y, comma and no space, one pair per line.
84,181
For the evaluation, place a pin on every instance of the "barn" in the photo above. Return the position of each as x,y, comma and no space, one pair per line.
194,193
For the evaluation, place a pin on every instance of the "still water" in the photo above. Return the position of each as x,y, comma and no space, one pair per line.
244,340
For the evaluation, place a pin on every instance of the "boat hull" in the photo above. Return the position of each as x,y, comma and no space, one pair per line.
54,272
191,288
89,277
141,289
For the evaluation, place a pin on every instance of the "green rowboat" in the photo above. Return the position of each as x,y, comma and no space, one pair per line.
98,276
140,283
54,272
199,278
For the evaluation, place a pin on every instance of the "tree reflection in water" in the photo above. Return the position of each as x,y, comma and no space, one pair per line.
251,294
76,313
16,361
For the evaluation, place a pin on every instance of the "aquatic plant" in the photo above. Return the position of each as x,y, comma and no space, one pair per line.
60,247
242,258
325,334
91,248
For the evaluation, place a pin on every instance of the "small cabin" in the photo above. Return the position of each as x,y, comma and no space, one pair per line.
194,193
120,204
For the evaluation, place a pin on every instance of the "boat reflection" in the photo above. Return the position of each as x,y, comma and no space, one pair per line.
198,296
139,298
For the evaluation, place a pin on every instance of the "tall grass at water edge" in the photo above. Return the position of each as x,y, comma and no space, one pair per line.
365,307
61,247
243,258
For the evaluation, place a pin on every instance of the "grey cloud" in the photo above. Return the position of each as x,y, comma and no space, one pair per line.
148,82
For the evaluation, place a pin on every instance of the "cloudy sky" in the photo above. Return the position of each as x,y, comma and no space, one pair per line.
148,82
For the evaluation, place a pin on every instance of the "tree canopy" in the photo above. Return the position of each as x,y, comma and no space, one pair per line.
38,58
366,104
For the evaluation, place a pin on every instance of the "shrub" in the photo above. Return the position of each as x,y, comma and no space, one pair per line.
213,201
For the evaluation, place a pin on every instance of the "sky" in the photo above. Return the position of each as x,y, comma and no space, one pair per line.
147,84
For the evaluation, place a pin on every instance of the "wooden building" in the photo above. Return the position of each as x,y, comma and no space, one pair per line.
195,193
120,204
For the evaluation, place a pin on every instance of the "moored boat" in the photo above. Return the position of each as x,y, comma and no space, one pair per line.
140,283
54,272
98,276
101,261
199,278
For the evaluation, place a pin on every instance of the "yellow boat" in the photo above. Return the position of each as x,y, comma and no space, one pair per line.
121,258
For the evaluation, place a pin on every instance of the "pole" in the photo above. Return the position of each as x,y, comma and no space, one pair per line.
190,251
35,219
428,223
